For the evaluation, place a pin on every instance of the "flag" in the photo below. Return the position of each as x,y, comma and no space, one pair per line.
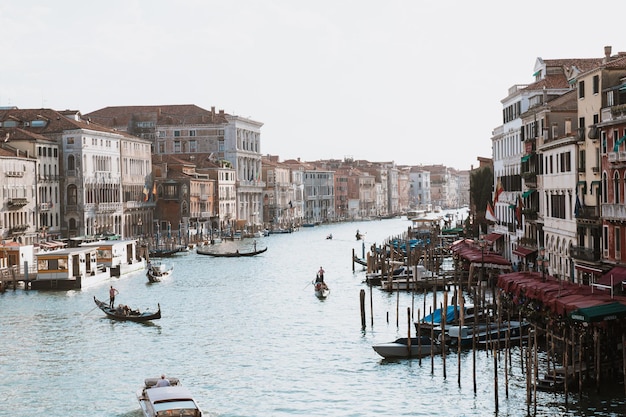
489,213
577,207
499,190
154,191
518,211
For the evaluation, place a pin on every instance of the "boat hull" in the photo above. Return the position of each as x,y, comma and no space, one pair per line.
132,316
400,349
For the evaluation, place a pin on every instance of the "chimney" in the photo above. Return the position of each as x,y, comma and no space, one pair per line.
607,53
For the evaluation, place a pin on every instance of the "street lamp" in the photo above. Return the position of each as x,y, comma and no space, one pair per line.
482,245
543,262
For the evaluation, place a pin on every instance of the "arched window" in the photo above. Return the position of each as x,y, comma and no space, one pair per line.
72,195
616,187
605,187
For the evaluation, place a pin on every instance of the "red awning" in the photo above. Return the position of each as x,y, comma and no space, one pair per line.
523,251
614,277
492,237
588,269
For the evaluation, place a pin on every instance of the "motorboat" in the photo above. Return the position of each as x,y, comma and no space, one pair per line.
157,271
170,400
415,347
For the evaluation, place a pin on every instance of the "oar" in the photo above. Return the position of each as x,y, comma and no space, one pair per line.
90,311
307,285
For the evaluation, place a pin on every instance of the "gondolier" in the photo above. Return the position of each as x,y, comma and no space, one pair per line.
112,293
320,275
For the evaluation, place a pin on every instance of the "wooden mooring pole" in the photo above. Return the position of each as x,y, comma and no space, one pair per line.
362,303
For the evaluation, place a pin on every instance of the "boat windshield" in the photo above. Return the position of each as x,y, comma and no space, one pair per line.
178,409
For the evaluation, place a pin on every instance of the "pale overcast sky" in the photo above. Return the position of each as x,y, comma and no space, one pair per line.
415,82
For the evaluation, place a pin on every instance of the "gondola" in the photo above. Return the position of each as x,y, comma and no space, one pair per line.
127,314
235,254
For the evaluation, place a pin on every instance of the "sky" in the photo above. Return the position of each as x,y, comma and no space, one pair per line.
412,81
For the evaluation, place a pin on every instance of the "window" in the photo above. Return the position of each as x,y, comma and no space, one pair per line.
161,147
72,195
176,146
603,142
193,146
581,89
596,84
177,133
605,240
610,101
71,163
616,187
192,133
69,141
557,206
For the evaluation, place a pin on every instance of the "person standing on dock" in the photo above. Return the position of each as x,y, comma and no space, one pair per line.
112,293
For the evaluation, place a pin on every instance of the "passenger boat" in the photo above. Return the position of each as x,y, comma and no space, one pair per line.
125,313
157,271
486,334
321,290
401,348
171,400
235,254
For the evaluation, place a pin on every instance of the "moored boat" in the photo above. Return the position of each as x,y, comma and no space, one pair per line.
169,400
415,347
124,313
486,334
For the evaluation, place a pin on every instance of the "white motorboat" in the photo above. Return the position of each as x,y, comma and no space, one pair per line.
171,400
400,348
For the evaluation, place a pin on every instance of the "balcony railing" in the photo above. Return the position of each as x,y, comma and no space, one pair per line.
588,213
585,254
17,202
616,212
617,156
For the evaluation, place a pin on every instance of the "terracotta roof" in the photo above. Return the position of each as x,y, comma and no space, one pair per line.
185,114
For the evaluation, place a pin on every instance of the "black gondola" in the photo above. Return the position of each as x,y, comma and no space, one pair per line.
235,254
127,314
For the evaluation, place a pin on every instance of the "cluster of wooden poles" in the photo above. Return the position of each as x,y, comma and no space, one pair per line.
568,346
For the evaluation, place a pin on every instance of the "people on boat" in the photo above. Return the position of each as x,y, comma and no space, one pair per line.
320,275
112,293
163,382
330,236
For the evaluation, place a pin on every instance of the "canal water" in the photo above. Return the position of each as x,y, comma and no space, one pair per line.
248,337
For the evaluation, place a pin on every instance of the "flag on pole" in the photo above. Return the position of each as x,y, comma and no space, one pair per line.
577,207
518,211
499,190
490,214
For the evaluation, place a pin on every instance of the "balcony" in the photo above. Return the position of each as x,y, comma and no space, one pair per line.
585,254
614,212
109,207
20,228
17,202
588,213
530,177
617,156
530,214
14,174
45,206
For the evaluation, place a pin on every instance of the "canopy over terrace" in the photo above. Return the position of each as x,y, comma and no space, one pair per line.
559,297
473,256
